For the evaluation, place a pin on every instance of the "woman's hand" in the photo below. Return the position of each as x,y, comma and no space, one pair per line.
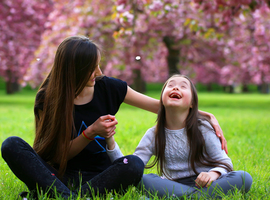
206,178
217,129
104,126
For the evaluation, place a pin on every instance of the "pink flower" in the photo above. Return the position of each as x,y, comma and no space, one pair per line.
125,161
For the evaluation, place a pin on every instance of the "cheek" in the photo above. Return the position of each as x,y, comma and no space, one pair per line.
164,95
188,100
162,98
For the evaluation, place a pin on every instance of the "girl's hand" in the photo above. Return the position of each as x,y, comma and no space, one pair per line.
104,126
217,129
206,178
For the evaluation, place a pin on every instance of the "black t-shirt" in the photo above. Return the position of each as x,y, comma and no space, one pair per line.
109,93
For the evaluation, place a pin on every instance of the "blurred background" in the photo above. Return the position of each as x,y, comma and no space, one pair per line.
223,45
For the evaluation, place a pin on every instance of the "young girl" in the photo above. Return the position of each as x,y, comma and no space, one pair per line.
74,114
187,151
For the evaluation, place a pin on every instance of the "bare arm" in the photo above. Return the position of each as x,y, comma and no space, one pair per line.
217,128
141,101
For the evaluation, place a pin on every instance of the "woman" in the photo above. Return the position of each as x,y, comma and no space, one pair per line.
74,114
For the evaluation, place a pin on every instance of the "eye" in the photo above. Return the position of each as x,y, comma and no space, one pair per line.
183,86
170,85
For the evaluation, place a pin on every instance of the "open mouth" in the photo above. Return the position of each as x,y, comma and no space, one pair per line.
175,95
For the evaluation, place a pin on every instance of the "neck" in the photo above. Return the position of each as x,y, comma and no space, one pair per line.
176,119
85,96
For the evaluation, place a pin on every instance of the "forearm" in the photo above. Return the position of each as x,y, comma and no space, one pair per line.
141,101
114,153
110,143
80,142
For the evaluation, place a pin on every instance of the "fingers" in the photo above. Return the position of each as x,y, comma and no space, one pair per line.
107,117
110,122
104,126
209,182
223,141
218,130
226,148
224,144
111,133
202,179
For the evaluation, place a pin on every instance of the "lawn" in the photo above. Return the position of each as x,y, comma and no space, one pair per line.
244,119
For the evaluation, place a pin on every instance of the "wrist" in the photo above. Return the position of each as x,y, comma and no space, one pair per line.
215,173
110,143
89,132
86,137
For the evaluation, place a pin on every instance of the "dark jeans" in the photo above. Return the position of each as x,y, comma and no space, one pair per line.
233,180
35,172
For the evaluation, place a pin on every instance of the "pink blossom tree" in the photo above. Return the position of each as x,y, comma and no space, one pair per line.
196,36
22,23
246,49
92,18
147,40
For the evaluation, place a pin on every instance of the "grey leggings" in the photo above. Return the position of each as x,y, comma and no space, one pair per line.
164,187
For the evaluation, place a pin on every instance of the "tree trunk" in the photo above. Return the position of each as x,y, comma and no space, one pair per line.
245,88
12,84
264,88
173,56
229,88
138,83
12,87
209,87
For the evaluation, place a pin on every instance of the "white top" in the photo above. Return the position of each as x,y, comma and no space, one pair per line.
177,151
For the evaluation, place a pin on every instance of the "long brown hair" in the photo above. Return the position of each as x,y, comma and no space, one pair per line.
75,60
197,154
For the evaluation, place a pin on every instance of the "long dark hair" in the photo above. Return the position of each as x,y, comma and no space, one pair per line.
75,60
197,155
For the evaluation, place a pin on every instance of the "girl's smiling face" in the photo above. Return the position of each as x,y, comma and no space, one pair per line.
177,93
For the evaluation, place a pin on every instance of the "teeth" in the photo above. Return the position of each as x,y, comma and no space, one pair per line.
173,95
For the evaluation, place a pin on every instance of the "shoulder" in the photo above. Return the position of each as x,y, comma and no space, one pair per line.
205,126
208,133
110,81
114,88
151,130
148,138
150,133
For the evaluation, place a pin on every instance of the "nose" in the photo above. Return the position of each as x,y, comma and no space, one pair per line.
98,71
175,88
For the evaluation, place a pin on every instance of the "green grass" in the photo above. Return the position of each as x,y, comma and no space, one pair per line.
244,118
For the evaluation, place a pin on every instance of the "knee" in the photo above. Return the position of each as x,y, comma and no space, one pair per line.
246,179
151,176
132,166
135,164
10,146
148,179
